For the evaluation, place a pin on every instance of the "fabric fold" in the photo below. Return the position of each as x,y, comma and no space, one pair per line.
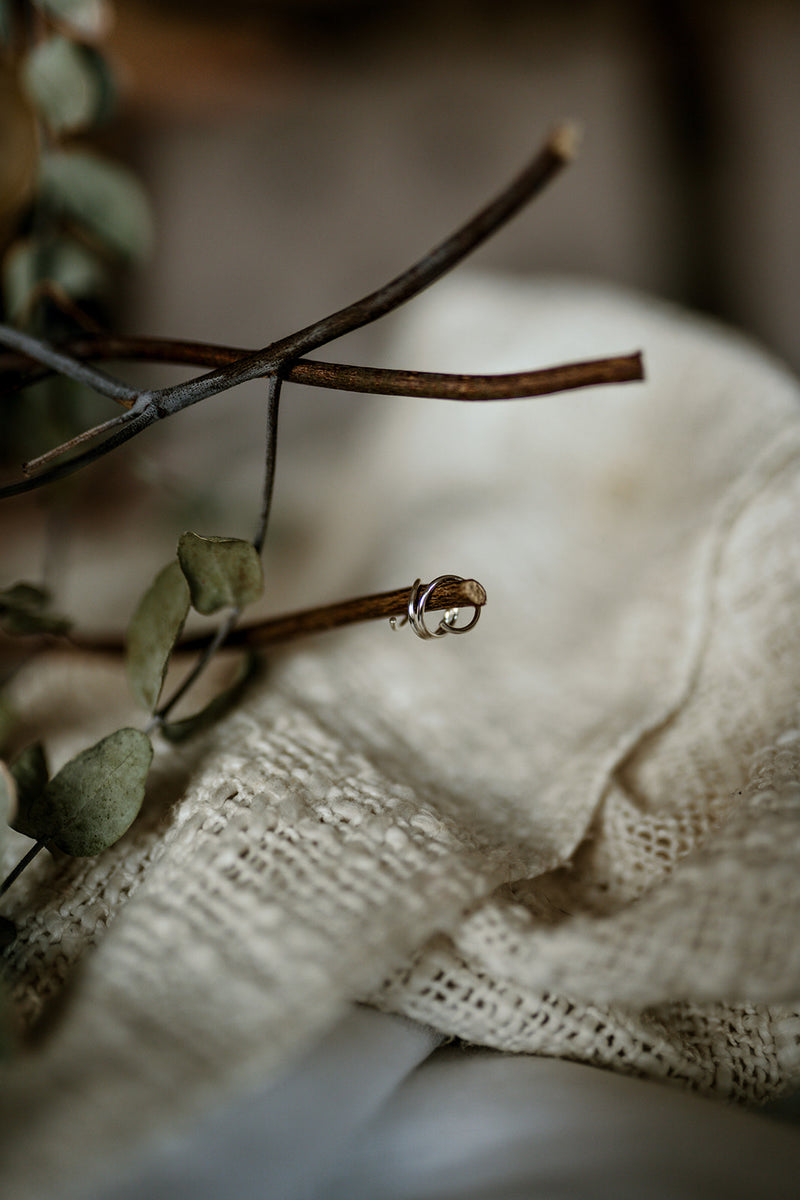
572,832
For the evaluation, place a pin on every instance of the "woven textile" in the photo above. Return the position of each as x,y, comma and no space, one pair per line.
574,832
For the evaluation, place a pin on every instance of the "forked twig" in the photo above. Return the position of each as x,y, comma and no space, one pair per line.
276,360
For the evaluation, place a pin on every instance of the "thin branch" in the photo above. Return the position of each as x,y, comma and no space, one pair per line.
558,150
376,607
135,422
381,606
623,368
57,360
20,867
275,359
345,377
271,458
35,464
208,649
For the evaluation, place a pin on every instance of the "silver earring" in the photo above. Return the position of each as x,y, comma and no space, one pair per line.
417,603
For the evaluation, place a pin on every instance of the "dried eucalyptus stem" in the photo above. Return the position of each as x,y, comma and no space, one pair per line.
20,371
275,360
272,631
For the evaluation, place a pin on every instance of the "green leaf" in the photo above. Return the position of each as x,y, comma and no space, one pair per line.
60,261
154,629
85,18
221,572
179,731
63,83
9,718
8,798
29,772
6,21
23,610
92,800
102,197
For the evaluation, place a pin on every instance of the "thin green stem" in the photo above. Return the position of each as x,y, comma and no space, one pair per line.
224,630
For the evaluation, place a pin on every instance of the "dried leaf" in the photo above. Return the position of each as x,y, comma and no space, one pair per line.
105,199
64,84
92,800
9,717
23,610
221,572
84,18
179,731
8,798
153,631
6,21
29,772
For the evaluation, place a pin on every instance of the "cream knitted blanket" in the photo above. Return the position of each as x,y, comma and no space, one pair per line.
574,832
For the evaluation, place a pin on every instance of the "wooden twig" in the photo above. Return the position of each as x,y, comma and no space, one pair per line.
376,607
382,381
277,358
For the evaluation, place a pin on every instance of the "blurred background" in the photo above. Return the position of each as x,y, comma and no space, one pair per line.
299,154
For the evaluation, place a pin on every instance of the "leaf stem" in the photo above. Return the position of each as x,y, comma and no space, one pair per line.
271,455
65,364
209,649
20,867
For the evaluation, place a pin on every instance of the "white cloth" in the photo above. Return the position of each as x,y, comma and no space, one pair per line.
573,832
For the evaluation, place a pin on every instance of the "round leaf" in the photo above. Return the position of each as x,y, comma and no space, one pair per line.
92,800
153,631
104,198
60,261
6,21
8,798
84,18
63,83
29,773
221,572
23,610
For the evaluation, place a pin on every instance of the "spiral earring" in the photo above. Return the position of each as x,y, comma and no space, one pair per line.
417,603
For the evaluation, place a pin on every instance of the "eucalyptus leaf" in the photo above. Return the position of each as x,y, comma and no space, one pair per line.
180,731
60,261
6,21
95,797
102,197
85,18
63,83
24,610
29,772
154,629
9,717
221,572
8,799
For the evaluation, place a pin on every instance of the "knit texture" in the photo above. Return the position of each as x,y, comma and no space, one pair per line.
573,832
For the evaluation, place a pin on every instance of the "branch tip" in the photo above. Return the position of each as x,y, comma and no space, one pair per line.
565,140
